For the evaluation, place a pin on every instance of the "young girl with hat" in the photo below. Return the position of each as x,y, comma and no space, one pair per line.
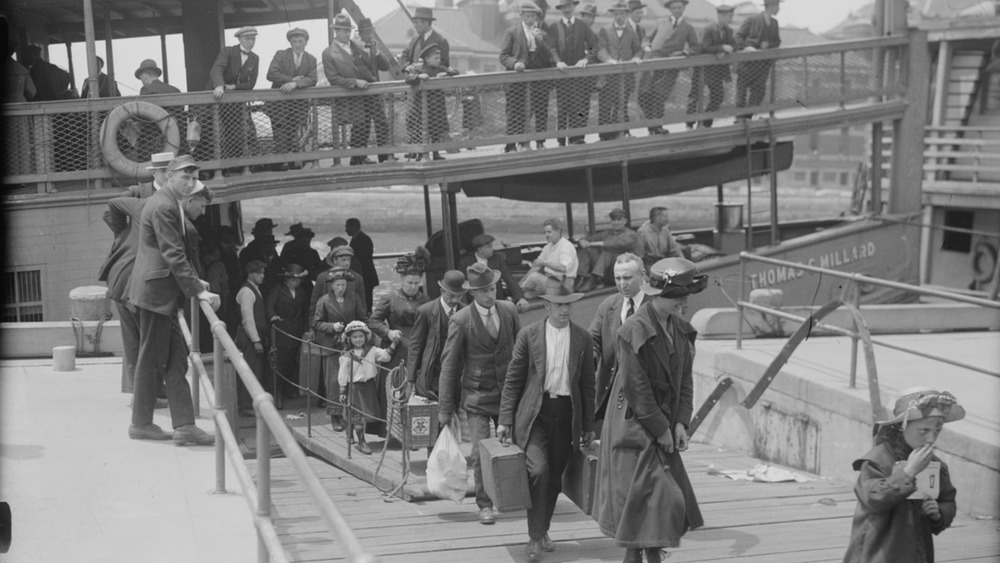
891,523
357,378
334,312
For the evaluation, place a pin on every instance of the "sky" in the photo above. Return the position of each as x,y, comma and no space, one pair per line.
816,15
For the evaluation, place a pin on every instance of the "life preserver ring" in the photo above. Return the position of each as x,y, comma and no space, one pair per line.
984,261
147,112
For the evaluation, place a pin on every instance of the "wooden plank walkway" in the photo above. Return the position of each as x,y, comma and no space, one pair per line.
753,522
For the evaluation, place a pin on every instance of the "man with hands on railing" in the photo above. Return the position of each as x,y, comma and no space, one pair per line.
236,67
344,67
290,69
572,40
716,39
757,32
618,43
673,37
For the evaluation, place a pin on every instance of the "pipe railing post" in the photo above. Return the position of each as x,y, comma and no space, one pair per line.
263,474
218,359
309,405
739,304
855,296
195,321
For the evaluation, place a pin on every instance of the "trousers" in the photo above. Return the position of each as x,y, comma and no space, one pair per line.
163,354
547,452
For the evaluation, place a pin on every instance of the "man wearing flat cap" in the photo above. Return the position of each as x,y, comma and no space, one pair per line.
474,364
646,415
422,20
149,74
598,251
484,253
235,68
716,39
290,70
430,330
757,32
163,275
674,36
547,406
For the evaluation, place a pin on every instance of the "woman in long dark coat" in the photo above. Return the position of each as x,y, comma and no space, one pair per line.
644,499
333,313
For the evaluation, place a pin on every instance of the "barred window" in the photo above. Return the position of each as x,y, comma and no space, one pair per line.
23,296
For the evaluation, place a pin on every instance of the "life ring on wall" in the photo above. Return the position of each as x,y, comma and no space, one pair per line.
147,112
984,261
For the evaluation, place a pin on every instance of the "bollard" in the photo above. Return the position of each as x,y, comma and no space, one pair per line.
64,358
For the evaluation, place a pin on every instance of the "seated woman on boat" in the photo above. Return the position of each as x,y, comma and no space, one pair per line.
333,312
557,263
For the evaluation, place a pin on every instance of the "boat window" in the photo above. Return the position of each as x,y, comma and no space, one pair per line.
814,178
22,296
957,241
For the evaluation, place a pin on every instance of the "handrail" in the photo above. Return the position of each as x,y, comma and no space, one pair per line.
269,423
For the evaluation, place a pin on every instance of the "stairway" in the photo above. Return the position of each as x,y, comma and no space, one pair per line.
963,81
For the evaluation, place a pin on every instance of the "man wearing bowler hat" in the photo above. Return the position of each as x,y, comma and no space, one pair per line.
757,32
474,364
290,70
673,37
430,329
235,68
422,20
716,39
598,251
547,406
572,40
484,253
149,74
262,245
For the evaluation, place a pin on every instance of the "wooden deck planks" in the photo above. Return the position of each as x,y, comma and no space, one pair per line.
745,521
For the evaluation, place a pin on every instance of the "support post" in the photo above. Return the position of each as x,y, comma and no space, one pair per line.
446,219
90,37
876,171
908,133
331,12
195,320
109,54
569,220
427,211
626,195
856,300
591,221
69,62
220,447
163,57
263,478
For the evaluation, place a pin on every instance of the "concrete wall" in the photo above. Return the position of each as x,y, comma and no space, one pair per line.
36,340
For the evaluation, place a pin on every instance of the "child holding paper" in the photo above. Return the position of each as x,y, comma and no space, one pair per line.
358,370
904,492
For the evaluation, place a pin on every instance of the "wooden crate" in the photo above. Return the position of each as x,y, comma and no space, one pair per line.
505,476
580,478
418,420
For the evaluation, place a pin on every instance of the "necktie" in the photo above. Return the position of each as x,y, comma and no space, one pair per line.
451,311
490,326
673,24
631,308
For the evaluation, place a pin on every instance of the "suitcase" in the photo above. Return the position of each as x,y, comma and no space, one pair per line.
505,476
580,478
418,421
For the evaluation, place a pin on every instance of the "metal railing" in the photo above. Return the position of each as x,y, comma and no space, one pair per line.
963,154
852,293
94,139
269,424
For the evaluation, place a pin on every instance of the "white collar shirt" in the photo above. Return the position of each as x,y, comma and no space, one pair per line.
297,58
569,22
448,309
556,360
489,314
529,35
482,260
636,301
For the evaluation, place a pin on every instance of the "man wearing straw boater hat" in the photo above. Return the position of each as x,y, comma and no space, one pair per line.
646,415
430,329
474,363
149,74
158,168
547,407
422,20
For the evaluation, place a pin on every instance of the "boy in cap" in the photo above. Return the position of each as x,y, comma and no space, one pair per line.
290,69
235,68
429,66
717,39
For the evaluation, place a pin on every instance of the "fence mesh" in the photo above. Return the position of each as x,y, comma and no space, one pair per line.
438,114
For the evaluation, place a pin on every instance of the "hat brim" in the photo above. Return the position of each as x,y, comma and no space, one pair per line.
956,413
459,290
675,291
157,166
571,298
496,278
143,69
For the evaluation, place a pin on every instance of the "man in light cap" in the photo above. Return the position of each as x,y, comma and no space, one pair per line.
643,507
163,275
756,33
474,364
547,406
598,251
235,68
290,70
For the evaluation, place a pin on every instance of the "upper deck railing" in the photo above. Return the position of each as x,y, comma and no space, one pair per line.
96,139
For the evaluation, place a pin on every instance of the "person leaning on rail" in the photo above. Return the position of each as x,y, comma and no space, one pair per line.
674,36
716,39
757,32
572,40
291,69
235,68
618,43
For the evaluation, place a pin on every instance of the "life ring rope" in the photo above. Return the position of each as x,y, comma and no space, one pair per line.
143,112
984,261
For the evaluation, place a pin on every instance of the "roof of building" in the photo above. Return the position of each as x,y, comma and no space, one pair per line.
926,14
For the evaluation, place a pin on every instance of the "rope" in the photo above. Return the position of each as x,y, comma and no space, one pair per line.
940,227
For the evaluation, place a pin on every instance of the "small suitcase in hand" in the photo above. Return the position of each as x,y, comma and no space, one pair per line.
505,476
580,477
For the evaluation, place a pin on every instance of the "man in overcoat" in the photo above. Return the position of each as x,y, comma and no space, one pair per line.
291,69
364,251
485,254
716,39
643,496
608,318
235,68
474,364
375,61
164,274
344,68
423,19
572,40
673,37
430,330
757,32
547,406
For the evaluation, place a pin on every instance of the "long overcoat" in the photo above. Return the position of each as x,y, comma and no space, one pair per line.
638,502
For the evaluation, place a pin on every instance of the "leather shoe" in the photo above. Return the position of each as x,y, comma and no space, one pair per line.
653,555
364,448
361,160
147,432
534,550
546,543
191,434
632,556
436,156
486,516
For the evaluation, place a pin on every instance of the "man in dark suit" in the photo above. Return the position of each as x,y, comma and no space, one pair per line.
341,65
547,406
422,20
235,68
374,105
525,48
149,74
290,70
572,40
610,315
716,39
484,253
105,87
673,37
164,274
430,329
474,364
364,251
756,33
618,43
51,82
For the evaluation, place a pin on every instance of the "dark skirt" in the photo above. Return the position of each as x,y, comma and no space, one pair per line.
363,401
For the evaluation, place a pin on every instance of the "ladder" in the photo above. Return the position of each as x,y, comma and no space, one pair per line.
762,151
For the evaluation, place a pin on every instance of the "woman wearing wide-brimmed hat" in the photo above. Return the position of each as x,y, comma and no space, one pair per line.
333,313
637,502
287,307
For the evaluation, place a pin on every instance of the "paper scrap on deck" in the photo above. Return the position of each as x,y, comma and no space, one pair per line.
761,473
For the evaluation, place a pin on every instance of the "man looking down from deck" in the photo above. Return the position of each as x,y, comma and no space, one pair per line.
344,68
717,39
474,364
757,32
673,37
618,43
598,251
572,40
235,68
547,406
163,275
485,254
290,70
654,240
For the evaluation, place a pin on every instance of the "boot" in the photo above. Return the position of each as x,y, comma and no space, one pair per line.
653,555
362,445
338,423
632,556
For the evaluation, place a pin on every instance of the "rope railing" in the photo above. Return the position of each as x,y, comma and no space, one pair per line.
55,141
269,424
